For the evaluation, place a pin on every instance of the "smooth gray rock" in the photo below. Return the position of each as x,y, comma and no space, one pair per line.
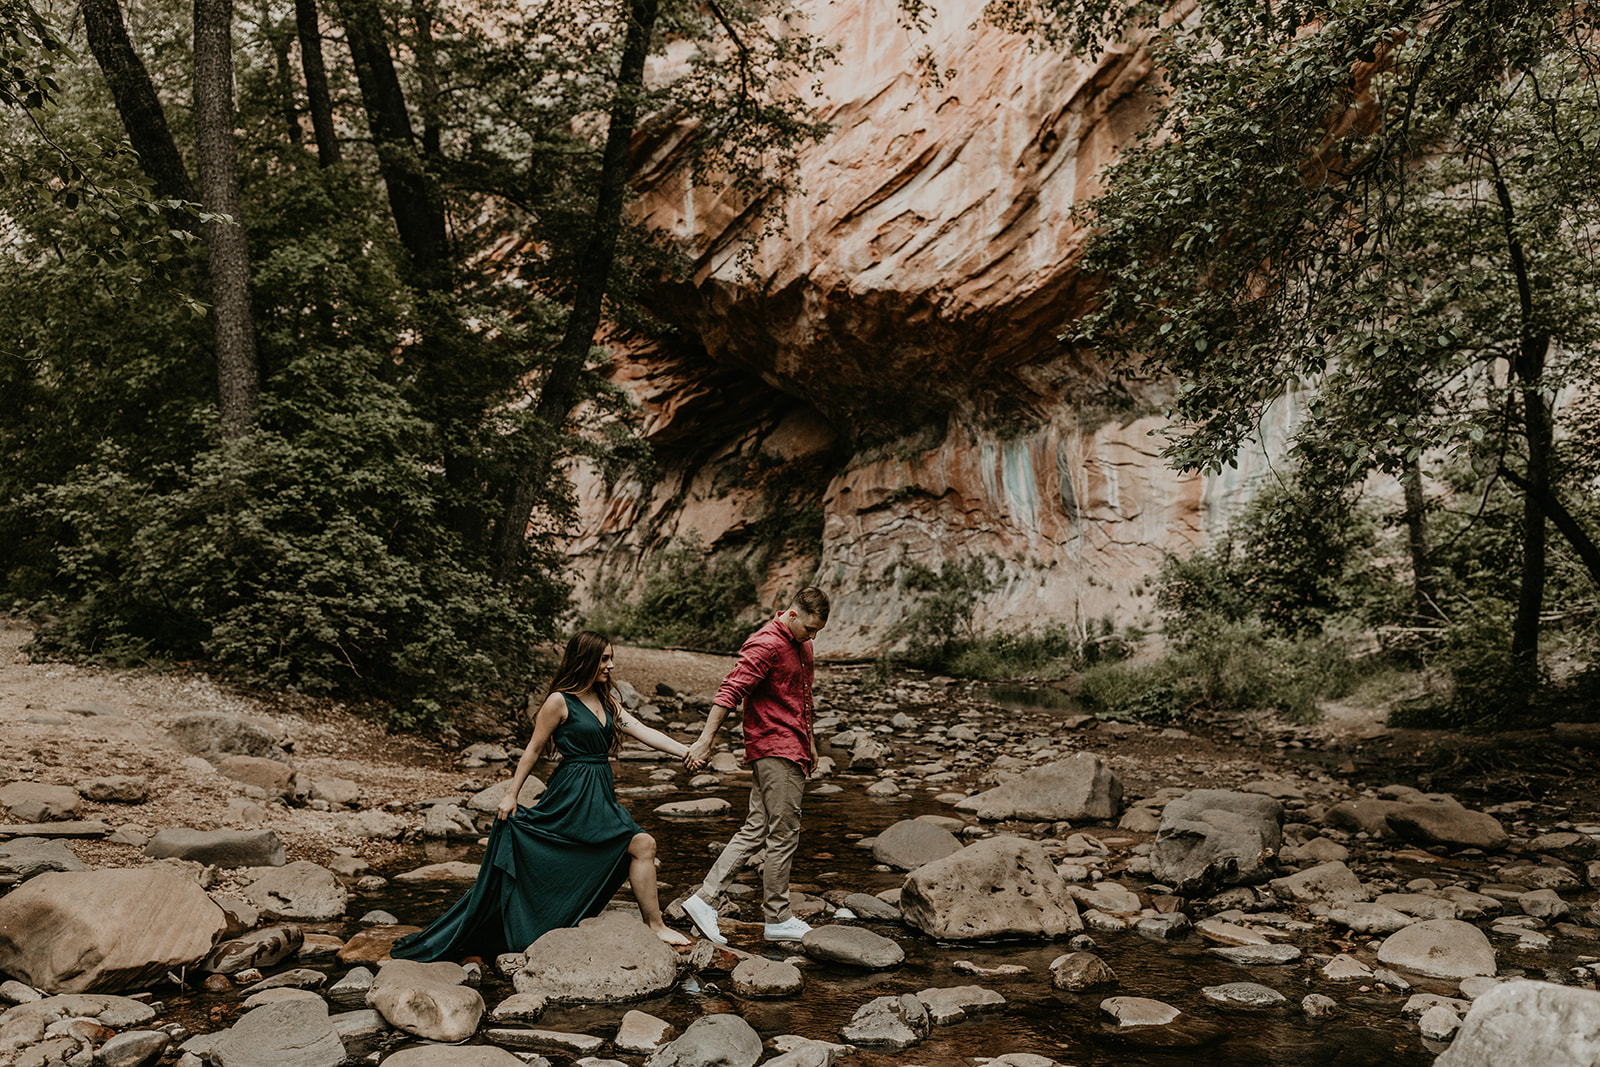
1440,948
350,992
852,945
1079,787
1329,883
218,848
891,1023
287,1033
1213,838
363,1031
643,1033
38,802
1244,995
1139,1011
300,890
1528,1024
871,909
133,1048
213,736
910,843
427,999
30,856
1257,955
951,1004
1437,819
711,1041
611,957
757,977
998,887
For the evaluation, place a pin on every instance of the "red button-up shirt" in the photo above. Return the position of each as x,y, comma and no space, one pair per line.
773,679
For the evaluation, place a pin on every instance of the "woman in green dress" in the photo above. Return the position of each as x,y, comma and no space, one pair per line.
557,862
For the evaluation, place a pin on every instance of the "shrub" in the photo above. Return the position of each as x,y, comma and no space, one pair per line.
684,600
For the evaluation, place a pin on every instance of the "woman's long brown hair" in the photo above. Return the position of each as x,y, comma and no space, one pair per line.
580,670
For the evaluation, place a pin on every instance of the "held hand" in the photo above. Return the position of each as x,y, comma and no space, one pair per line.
699,754
508,805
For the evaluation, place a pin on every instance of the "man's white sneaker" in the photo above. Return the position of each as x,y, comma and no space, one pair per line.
704,917
791,929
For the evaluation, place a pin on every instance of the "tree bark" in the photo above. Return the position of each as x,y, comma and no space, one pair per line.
136,100
1563,520
1425,583
413,197
229,259
318,99
559,393
282,39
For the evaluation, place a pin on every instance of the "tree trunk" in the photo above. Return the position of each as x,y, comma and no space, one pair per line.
1564,521
229,259
559,393
282,40
318,99
413,197
136,100
428,73
1425,583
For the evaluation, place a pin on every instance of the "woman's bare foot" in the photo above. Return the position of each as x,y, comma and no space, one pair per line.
671,936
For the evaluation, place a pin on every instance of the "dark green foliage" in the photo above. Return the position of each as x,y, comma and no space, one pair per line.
939,625
684,600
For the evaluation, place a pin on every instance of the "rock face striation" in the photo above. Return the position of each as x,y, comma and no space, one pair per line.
886,378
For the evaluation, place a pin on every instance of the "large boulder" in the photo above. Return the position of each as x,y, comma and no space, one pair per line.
218,848
281,1033
710,1041
1528,1024
998,887
1211,838
36,802
910,843
1438,819
214,736
1079,787
1440,948
77,932
430,1000
611,957
301,890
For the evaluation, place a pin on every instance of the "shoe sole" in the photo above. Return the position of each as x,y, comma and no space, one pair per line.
713,934
784,937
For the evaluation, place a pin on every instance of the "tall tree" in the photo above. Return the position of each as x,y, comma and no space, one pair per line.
319,100
238,387
136,99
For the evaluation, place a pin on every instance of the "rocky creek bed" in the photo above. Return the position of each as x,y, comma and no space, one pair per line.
198,877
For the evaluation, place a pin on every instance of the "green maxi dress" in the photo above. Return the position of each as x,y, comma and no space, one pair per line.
547,866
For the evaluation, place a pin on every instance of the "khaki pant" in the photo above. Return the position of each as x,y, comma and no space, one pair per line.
773,823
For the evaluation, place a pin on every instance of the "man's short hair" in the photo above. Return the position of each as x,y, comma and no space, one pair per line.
813,602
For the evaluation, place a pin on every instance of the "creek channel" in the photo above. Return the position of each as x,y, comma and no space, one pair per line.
1068,1028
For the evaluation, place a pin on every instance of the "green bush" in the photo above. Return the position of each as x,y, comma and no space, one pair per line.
684,600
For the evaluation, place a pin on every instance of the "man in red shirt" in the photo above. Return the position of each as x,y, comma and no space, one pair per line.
773,679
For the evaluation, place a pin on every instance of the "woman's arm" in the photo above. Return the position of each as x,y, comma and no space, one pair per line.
552,713
650,735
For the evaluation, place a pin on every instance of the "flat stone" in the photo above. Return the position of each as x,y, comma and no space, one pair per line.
756,977
852,945
1257,955
951,1004
1440,948
1139,1011
1244,994
890,1023
557,1041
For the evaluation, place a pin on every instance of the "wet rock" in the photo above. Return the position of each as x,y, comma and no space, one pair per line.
1139,1011
1438,1023
115,789
427,999
1331,883
363,1032
1440,948
258,948
891,1023
219,848
870,908
453,1056
1211,838
1368,918
757,977
1221,932
1437,819
1080,971
1419,1003
641,1033
84,931
557,1042
1080,787
1244,995
869,754
1419,905
520,1007
300,890
1544,904
1108,897
1172,926
350,992
448,820
998,970
911,843
135,1048
291,1033
951,1004
1346,968
26,857
214,735
1567,845
711,1041
997,887
703,808
1315,1006
27,1023
372,945
1528,1024
450,871
852,945
36,802
611,957
1257,955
